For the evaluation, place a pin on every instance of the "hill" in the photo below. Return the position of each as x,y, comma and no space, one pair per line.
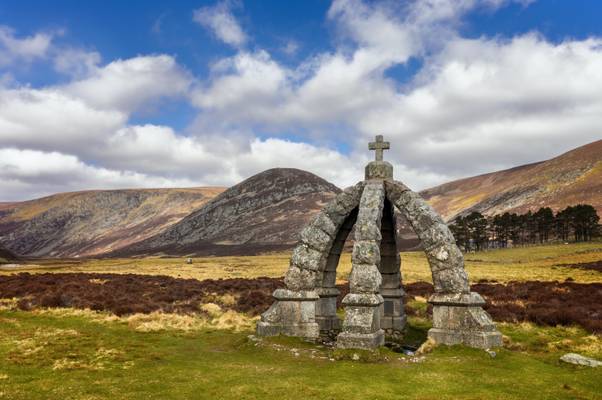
571,178
6,256
91,223
265,212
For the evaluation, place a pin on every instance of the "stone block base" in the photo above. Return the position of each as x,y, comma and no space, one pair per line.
480,340
379,170
326,311
460,319
308,330
361,328
368,341
392,314
292,314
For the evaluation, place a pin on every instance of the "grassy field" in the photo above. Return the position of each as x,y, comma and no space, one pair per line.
52,356
79,354
529,263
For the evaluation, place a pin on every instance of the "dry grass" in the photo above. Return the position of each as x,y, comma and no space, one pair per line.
543,263
213,317
201,268
216,319
8,304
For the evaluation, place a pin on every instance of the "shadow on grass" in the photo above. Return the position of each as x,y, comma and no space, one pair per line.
415,332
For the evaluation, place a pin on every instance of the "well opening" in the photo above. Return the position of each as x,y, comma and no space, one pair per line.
326,306
392,316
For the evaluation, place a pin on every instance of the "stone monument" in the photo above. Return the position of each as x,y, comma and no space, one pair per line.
374,306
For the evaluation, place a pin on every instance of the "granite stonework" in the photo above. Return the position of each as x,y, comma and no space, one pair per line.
374,306
308,306
458,318
361,327
292,314
393,318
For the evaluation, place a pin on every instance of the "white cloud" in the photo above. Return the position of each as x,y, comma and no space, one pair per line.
81,117
158,150
29,173
376,28
485,104
247,76
271,153
13,48
220,21
476,105
49,119
76,62
128,84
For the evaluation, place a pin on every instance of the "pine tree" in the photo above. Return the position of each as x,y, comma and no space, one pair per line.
477,229
544,219
584,221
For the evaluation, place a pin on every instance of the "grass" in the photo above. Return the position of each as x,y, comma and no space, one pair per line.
50,356
80,354
544,263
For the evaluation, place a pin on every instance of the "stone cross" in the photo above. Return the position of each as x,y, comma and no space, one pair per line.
379,146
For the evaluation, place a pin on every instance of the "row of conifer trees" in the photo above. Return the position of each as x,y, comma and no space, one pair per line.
575,223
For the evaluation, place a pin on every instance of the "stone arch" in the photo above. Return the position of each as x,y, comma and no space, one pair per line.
319,250
318,247
326,307
308,304
458,316
374,304
444,257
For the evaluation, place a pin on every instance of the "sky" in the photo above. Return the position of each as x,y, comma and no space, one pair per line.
131,94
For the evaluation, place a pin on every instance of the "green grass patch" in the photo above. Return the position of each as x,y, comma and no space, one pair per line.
67,354
47,356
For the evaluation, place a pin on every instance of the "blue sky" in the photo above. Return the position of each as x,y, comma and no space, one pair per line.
153,93
124,29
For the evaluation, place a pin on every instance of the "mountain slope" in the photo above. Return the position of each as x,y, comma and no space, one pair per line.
6,256
265,212
571,178
94,222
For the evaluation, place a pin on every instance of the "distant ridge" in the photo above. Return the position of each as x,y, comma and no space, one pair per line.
571,178
91,223
265,212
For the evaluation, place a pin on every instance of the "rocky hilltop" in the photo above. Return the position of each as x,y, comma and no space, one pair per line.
571,178
95,222
265,212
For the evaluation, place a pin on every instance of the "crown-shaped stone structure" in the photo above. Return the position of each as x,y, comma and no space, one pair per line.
374,307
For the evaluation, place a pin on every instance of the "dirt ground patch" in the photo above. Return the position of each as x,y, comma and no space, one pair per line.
544,303
594,266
